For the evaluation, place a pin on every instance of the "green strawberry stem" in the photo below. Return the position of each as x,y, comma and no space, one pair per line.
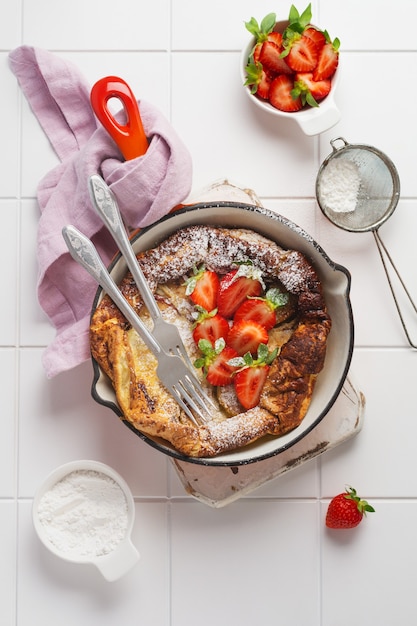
363,506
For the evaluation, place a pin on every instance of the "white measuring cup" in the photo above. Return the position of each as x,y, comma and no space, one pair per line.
124,555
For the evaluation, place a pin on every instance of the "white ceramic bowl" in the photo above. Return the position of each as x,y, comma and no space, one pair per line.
311,120
123,554
336,284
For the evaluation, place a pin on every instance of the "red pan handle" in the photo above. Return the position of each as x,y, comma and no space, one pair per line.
130,137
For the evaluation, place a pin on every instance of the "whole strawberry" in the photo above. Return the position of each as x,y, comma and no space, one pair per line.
346,510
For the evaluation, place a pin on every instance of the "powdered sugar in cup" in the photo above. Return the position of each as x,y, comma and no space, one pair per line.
84,513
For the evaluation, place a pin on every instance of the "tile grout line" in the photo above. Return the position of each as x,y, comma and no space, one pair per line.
18,330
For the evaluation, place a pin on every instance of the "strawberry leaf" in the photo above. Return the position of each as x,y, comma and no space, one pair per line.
293,14
248,358
237,361
335,43
253,75
296,26
363,506
264,356
200,362
205,346
297,22
262,352
305,17
268,23
302,91
219,345
260,32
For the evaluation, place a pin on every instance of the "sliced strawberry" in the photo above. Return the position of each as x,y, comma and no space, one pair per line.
303,54
236,286
246,336
274,37
263,310
319,89
249,383
220,372
272,62
264,86
215,362
327,61
256,52
258,80
250,378
316,35
203,288
257,310
210,326
280,95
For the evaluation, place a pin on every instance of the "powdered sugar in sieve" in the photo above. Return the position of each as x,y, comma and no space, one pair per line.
357,186
358,189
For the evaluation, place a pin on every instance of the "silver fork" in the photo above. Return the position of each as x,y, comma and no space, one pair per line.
106,206
183,385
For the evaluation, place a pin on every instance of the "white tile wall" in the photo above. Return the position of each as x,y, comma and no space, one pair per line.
266,559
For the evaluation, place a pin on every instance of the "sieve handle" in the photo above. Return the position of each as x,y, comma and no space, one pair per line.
386,262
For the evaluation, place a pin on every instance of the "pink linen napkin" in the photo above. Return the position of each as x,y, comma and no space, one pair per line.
146,188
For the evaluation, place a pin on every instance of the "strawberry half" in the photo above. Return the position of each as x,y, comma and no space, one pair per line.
236,286
246,336
276,38
258,80
249,383
203,287
303,54
271,60
273,37
318,89
327,61
316,35
281,96
210,326
249,380
216,362
262,310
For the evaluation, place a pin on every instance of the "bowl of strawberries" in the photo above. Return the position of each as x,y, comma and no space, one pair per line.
290,69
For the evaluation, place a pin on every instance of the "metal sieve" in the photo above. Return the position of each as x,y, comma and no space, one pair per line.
358,189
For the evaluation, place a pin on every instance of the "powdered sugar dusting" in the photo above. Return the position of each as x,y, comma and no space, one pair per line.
219,249
238,431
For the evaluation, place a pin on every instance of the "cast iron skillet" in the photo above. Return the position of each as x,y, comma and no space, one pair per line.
336,282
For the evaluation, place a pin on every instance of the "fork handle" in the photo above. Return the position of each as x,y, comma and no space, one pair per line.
84,252
107,207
